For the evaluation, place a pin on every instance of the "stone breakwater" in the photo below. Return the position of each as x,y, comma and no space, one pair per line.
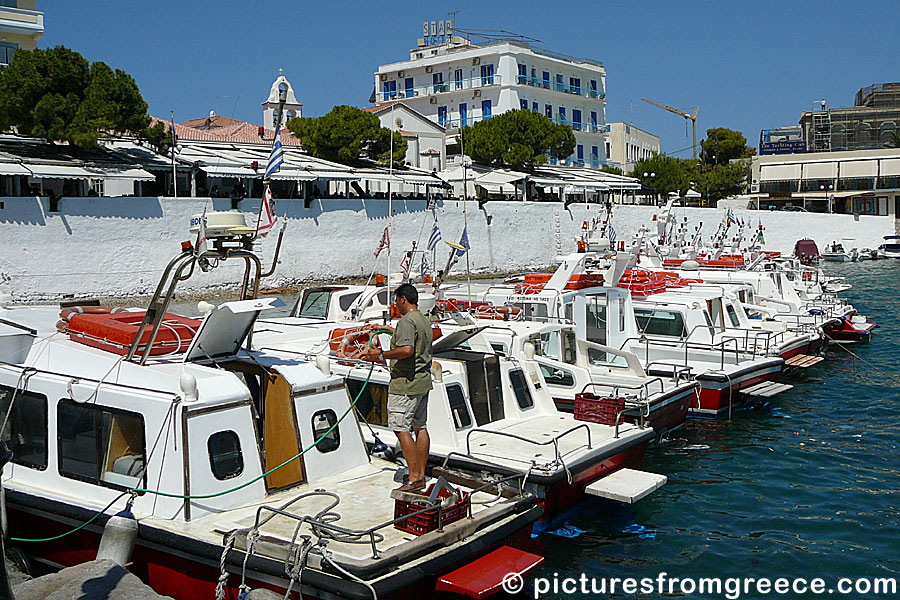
119,246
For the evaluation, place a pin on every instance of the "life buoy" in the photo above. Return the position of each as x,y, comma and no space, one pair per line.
352,343
498,313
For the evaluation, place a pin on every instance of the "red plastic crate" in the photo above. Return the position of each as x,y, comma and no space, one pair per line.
428,520
593,408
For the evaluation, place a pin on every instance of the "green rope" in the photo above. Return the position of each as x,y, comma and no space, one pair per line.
228,491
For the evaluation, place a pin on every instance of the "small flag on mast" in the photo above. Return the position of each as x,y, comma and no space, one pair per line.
384,243
276,158
267,217
435,236
463,242
201,236
404,265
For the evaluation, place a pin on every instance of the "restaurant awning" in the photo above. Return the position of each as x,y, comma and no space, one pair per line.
779,172
294,175
47,171
822,170
229,171
858,168
890,167
9,168
134,174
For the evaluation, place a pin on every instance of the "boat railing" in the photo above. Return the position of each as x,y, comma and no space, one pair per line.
683,342
759,342
558,459
323,525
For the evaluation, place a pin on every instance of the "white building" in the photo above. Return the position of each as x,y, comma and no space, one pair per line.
21,26
292,108
458,83
865,182
426,141
628,144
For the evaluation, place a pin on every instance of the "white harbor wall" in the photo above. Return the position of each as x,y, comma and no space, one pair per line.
119,246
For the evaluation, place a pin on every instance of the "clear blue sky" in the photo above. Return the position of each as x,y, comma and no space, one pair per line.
748,65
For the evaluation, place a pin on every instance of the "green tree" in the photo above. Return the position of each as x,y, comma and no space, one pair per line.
159,135
56,94
518,139
722,145
893,140
666,173
347,134
724,180
613,170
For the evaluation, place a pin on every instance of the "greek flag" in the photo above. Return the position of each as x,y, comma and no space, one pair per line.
424,268
435,236
612,234
276,159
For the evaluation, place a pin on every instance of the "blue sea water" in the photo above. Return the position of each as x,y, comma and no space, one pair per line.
806,485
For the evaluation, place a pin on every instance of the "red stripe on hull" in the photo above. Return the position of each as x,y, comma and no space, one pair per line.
186,577
563,495
714,400
671,414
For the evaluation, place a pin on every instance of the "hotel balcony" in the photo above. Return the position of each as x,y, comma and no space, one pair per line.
557,86
21,22
434,89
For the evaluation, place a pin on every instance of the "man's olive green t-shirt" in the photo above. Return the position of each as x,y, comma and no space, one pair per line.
412,375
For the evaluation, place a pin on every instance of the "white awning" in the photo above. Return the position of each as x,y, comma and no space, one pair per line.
496,188
779,172
820,170
421,179
135,174
293,175
61,172
889,167
858,168
692,194
7,168
230,171
499,177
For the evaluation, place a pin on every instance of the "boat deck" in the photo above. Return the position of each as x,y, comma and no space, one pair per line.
364,503
494,442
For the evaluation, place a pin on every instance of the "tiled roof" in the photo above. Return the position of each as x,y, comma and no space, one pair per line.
222,129
380,107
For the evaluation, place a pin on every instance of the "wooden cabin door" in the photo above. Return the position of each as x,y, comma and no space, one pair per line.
280,435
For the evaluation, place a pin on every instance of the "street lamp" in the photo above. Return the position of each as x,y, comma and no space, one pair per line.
652,187
830,198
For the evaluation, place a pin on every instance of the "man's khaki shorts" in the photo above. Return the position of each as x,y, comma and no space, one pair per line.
407,412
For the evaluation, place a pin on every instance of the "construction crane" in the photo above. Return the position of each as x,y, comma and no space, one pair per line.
681,113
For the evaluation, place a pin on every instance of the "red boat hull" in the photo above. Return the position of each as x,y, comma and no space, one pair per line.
717,397
173,571
563,495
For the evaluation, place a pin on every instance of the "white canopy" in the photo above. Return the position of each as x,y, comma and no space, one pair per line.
779,172
692,194
859,168
61,172
890,167
11,168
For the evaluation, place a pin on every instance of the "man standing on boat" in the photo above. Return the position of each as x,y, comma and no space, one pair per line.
410,382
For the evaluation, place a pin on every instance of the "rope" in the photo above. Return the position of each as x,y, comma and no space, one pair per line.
861,359
24,375
217,494
82,526
223,572
327,557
